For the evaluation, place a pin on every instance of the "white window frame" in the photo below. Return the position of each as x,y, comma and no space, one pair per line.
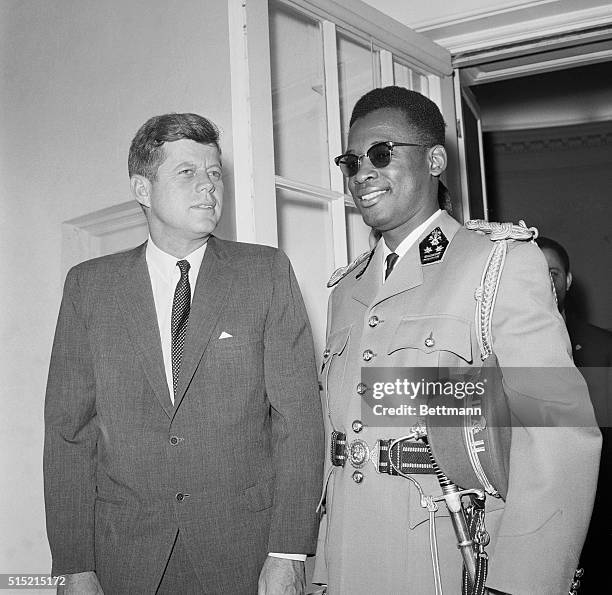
255,181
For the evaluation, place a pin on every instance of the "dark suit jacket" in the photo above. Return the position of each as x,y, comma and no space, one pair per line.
234,464
592,349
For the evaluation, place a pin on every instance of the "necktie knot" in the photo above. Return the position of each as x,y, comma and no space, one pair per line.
184,266
390,260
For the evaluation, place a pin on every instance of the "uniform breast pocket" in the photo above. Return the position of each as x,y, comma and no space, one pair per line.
432,340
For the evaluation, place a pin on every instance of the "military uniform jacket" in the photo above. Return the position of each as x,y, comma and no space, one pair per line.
374,535
234,465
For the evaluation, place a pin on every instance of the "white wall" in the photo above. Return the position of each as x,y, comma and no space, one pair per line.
78,77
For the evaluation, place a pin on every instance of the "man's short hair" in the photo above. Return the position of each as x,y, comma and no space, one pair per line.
557,248
420,112
147,151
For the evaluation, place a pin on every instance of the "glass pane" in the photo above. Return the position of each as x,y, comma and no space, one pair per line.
298,97
406,77
355,76
304,234
357,233
402,75
421,84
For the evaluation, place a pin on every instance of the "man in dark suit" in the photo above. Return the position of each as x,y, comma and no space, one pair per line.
183,434
592,351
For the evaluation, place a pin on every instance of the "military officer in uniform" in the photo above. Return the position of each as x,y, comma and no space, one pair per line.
411,302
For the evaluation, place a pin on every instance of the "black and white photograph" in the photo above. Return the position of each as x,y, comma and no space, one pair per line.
306,297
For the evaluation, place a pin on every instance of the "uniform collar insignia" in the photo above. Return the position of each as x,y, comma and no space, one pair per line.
433,247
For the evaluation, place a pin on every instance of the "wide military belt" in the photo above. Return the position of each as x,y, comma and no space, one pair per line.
407,456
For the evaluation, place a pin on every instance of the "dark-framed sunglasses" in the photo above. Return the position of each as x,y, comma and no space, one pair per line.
379,155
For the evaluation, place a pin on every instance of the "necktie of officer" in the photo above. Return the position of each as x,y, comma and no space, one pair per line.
390,260
180,317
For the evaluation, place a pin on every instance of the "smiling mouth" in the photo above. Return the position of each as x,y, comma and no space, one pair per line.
370,196
203,207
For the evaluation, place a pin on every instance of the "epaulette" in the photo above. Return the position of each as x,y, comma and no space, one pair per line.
503,231
342,272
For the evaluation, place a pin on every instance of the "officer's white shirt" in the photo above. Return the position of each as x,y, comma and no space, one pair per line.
407,242
164,276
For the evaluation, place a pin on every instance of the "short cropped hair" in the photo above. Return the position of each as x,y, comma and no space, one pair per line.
557,248
420,112
147,151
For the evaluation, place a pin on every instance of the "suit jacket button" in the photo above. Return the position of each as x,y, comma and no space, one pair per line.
362,388
357,426
174,440
373,321
357,476
180,497
368,354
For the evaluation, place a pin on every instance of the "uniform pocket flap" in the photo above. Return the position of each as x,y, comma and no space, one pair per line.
434,333
336,343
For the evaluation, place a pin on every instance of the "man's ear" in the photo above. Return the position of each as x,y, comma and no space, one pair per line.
141,189
568,281
437,160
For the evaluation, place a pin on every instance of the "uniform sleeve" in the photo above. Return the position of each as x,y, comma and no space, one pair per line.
70,440
292,388
553,469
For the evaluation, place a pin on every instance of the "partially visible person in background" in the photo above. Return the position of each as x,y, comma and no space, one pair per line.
592,351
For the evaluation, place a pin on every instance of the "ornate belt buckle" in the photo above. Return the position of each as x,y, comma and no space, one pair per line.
358,453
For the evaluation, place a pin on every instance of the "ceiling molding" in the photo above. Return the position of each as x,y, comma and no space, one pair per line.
496,126
552,139
468,16
478,76
555,25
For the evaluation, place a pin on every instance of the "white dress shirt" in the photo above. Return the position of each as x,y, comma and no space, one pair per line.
165,275
407,242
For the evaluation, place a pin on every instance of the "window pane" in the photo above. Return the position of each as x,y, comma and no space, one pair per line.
357,233
402,75
355,76
304,234
406,77
421,84
298,97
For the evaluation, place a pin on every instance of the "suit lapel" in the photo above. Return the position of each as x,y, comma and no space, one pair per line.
135,298
215,280
369,280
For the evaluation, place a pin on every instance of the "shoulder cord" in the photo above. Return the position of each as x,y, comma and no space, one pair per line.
486,295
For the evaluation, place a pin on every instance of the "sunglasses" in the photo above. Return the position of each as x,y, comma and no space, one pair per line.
379,155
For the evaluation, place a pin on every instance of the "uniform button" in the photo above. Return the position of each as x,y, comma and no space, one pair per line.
357,476
368,354
174,440
180,497
357,426
362,388
430,341
373,321
326,353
